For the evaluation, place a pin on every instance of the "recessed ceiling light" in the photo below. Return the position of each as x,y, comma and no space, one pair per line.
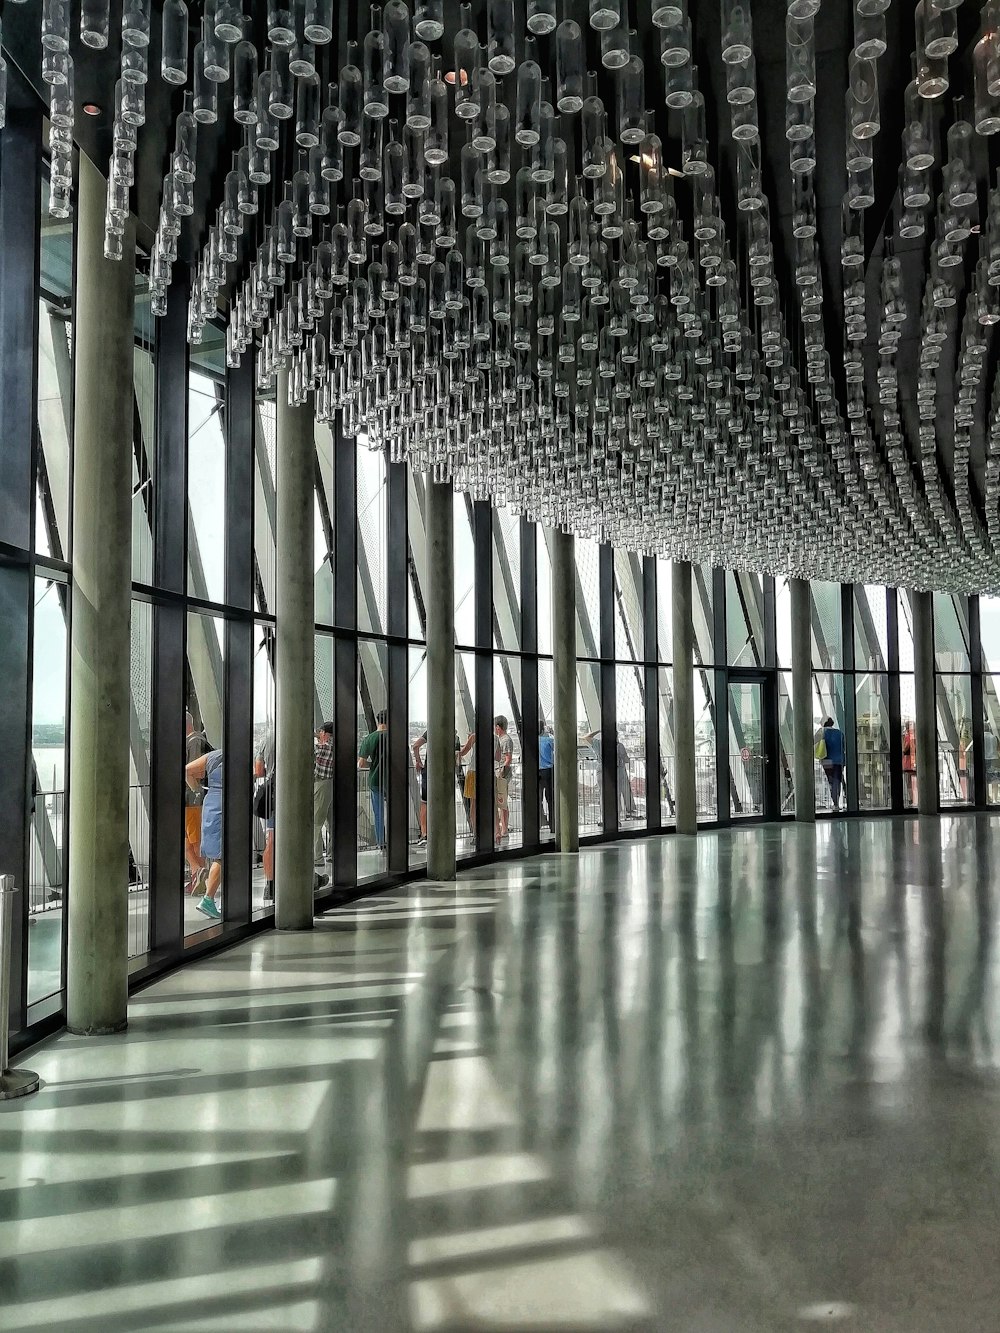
92,109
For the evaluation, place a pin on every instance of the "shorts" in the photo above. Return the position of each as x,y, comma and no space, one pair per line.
469,790
192,825
423,784
501,786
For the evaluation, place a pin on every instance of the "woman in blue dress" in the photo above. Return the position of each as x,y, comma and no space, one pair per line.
208,770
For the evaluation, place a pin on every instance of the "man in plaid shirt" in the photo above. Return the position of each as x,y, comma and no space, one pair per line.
322,788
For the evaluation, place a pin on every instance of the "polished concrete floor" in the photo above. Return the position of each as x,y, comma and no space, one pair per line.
745,1082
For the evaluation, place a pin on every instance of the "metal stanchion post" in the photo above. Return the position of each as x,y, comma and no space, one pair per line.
13,1082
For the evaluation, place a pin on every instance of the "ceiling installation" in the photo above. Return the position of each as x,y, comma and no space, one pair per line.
712,280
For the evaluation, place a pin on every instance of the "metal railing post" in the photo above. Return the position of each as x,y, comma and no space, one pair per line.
13,1082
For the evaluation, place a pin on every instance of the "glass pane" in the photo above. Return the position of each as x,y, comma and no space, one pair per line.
786,743
546,753
588,598
203,811
590,799
871,629
874,755
417,755
704,745
664,610
324,774
703,602
372,537
263,768
264,514
509,788
989,632
507,580
783,621
631,751
905,629
908,718
991,737
416,582
465,723
745,619
827,626
665,717
206,487
140,723
954,737
828,704
144,444
323,512
53,473
46,866
465,573
746,750
629,637
544,573
373,725
951,632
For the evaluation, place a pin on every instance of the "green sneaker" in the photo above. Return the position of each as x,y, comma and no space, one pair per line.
209,907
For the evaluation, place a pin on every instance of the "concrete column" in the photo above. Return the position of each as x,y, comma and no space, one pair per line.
440,753
97,904
803,742
563,551
294,666
682,628
926,702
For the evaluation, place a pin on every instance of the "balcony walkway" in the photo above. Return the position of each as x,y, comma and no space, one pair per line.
744,1082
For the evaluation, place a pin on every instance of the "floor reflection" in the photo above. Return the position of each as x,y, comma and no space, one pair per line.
744,1081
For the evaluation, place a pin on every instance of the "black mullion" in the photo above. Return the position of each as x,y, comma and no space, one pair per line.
345,700
978,727
609,688
481,515
238,793
895,715
399,794
530,709
168,747
170,473
238,425
20,207
652,693
720,650
850,723
770,623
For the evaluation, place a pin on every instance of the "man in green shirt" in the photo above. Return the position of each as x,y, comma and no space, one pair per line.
373,755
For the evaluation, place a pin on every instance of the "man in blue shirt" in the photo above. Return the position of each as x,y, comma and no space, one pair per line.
546,751
833,761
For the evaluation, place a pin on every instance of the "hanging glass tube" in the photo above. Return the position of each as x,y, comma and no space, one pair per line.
229,21
174,43
351,93
631,102
800,60
500,29
55,25
863,106
932,71
986,65
267,127
216,52
318,26
541,18
206,92
737,38
570,67
245,83
280,23
308,100
418,100
396,32
282,104
95,23
374,68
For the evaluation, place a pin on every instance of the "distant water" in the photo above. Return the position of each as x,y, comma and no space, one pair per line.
50,761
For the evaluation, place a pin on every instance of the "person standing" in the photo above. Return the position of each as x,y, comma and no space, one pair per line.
195,746
830,752
546,762
420,767
373,757
322,788
468,754
208,770
503,767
